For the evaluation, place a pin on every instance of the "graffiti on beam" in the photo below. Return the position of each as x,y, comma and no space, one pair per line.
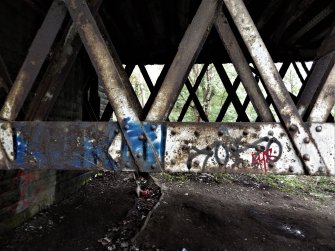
264,153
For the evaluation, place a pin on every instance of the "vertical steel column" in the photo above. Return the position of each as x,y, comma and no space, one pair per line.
188,51
108,73
242,67
298,131
325,101
38,51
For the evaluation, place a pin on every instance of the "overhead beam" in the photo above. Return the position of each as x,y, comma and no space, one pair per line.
37,53
329,9
188,51
5,80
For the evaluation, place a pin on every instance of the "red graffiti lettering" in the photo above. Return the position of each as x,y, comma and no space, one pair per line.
263,158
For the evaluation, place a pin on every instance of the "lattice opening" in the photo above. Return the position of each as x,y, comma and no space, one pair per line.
231,114
140,86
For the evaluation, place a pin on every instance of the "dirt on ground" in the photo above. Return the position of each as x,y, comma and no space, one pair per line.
181,212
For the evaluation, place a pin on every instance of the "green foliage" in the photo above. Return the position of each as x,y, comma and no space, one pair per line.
211,93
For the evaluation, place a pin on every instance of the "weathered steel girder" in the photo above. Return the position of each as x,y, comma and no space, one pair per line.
181,147
290,147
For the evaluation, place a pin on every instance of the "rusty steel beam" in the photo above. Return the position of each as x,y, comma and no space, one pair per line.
124,73
104,64
56,74
188,51
329,9
298,131
242,68
325,100
319,69
38,52
186,147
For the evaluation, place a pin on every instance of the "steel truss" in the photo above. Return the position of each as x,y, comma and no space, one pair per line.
142,139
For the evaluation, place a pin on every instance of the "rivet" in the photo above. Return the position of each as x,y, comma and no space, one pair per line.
306,157
220,132
139,155
153,166
173,162
233,148
153,127
208,148
307,140
293,128
185,147
127,164
196,163
291,169
321,169
196,133
126,127
270,133
141,137
245,132
318,128
117,131
173,132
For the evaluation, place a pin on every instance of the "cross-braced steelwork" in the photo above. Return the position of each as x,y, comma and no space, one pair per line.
259,125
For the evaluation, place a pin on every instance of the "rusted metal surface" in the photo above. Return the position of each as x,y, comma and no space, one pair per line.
55,76
124,75
230,147
59,145
138,141
319,69
188,51
38,51
282,100
242,67
324,136
183,147
325,101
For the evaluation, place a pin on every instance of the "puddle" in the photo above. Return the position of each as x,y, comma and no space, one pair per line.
291,230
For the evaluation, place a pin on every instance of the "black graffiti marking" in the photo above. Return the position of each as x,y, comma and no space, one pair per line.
195,152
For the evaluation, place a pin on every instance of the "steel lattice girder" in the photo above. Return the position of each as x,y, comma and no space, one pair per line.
182,147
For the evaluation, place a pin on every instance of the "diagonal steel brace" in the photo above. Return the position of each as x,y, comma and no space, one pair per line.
299,133
132,129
